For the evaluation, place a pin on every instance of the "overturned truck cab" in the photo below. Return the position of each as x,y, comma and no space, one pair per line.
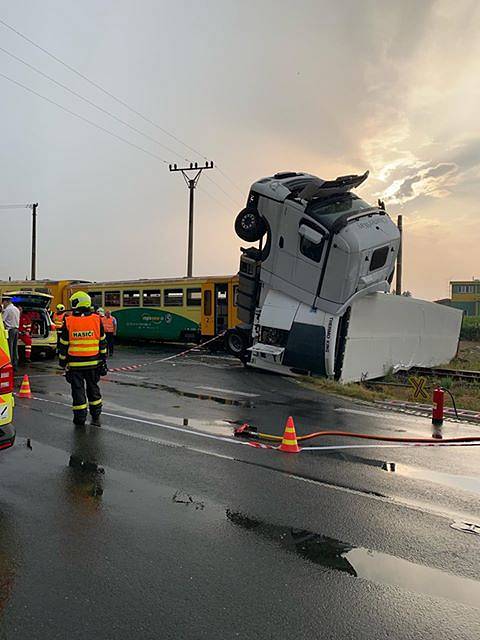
313,296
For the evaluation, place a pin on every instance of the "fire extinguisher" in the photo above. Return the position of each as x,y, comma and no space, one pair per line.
438,404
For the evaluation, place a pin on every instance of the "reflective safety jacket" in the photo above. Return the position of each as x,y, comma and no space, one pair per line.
109,324
58,318
82,341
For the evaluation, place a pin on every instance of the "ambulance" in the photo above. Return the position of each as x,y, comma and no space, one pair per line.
7,432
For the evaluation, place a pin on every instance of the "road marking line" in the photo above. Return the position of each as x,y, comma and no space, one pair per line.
152,439
155,424
393,416
395,446
375,414
244,442
235,393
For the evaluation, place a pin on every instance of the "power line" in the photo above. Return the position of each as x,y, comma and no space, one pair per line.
100,88
222,204
93,124
227,177
91,103
97,126
221,189
16,206
107,112
113,97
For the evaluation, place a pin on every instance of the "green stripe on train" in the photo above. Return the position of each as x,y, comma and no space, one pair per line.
142,322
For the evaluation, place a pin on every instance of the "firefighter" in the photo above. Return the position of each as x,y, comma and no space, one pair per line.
58,317
83,352
25,333
110,327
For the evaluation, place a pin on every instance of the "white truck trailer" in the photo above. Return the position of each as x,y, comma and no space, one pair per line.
314,295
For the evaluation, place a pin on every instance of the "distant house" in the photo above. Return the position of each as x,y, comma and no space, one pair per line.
465,295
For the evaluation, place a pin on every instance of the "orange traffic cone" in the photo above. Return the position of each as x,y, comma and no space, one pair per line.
25,391
289,440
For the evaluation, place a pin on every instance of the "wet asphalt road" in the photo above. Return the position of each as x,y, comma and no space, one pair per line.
171,529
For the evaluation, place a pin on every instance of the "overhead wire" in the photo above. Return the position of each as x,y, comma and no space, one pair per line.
80,117
91,103
97,126
15,206
220,188
116,99
227,177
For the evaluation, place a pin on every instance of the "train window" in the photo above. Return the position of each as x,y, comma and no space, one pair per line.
207,303
42,290
152,298
379,258
173,298
194,297
112,298
97,298
131,298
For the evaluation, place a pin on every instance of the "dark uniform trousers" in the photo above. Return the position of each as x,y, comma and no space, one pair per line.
85,388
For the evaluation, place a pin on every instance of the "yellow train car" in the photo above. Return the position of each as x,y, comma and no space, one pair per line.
169,309
55,288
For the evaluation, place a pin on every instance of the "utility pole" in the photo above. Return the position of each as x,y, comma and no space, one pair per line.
398,287
33,274
33,207
191,184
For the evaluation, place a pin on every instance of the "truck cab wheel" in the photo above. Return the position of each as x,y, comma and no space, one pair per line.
249,225
235,343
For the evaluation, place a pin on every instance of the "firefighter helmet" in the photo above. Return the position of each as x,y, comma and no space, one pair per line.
60,307
80,299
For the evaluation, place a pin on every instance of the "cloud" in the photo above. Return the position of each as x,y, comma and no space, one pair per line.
433,181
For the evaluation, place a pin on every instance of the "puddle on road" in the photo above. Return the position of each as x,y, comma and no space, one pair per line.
360,562
470,484
465,483
216,427
185,394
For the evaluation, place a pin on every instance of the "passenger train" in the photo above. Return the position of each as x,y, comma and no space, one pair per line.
166,309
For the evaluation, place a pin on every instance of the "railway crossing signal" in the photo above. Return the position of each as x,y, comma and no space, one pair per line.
418,384
191,184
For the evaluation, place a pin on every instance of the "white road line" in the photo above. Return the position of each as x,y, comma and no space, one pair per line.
398,445
393,416
230,391
200,434
153,439
210,436
377,414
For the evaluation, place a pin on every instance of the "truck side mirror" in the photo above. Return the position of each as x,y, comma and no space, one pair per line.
310,234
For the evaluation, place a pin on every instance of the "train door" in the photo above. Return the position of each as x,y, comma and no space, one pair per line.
208,312
221,307
232,306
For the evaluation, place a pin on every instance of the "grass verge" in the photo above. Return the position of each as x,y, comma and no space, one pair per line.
467,394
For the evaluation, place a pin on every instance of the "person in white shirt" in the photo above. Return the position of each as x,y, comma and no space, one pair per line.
11,321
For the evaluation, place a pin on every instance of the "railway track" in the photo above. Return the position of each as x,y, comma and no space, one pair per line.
437,372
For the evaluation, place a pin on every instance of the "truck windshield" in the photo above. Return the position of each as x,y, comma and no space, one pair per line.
329,210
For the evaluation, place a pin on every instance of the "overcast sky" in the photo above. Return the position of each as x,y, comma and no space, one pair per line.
327,87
